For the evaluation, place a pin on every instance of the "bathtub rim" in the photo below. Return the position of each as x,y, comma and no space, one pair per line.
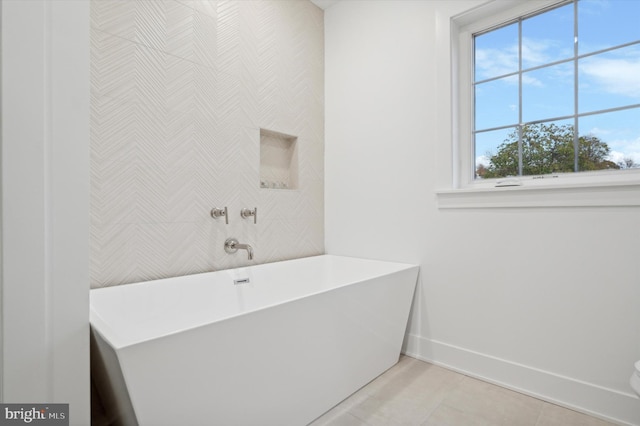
118,342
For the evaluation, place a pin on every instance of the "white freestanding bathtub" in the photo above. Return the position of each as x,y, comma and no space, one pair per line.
280,346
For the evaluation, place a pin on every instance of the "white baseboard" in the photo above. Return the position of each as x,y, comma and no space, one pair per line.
607,404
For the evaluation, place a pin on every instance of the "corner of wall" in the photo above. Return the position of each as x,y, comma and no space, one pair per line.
598,401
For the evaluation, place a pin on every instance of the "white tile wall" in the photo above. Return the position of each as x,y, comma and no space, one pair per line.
180,90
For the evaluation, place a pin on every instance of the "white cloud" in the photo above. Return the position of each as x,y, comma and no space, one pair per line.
531,81
616,76
625,144
484,160
534,52
620,157
595,7
623,149
495,62
596,131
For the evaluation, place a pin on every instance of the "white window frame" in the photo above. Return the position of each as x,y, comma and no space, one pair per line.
599,188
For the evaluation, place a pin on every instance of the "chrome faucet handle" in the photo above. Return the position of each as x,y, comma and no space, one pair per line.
216,213
245,213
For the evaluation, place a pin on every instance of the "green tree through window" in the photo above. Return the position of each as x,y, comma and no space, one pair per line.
547,149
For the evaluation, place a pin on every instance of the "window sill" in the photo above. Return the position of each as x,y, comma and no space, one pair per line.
568,195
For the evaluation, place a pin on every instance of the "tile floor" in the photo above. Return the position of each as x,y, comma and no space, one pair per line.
417,393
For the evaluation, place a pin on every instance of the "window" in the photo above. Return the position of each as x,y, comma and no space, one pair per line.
554,92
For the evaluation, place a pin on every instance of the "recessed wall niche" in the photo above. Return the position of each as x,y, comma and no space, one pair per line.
278,160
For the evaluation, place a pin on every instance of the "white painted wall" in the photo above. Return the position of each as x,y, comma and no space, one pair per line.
544,300
45,204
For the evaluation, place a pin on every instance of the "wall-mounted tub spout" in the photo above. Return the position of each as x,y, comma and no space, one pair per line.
231,245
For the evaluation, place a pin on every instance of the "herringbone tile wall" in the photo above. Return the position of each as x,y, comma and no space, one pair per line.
179,92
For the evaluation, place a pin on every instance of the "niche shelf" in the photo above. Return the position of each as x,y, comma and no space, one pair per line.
278,160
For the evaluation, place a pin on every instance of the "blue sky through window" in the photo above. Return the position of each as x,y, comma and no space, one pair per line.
606,80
